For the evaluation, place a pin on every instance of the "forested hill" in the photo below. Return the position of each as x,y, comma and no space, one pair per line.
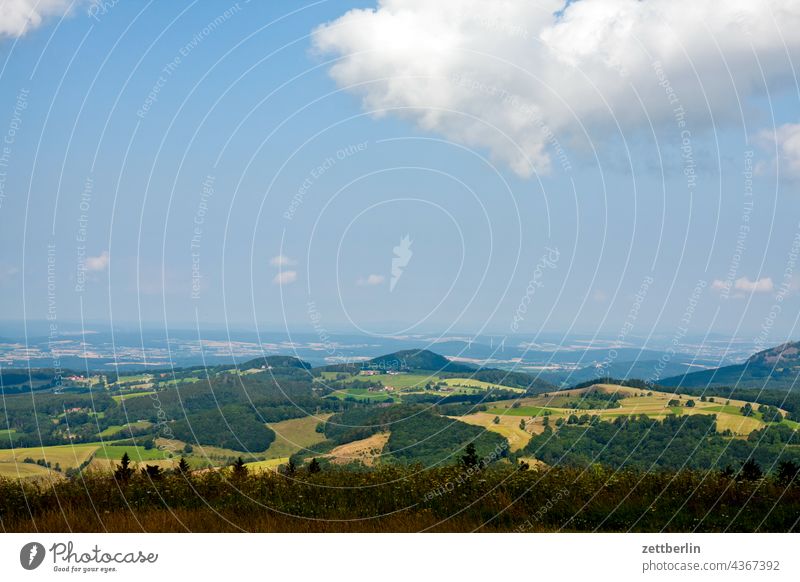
405,361
773,369
275,362
417,360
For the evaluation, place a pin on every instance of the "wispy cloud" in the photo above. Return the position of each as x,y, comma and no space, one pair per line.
282,261
285,277
720,285
371,280
763,285
402,256
744,284
7,273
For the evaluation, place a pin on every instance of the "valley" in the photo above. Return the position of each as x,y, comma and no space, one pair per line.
412,406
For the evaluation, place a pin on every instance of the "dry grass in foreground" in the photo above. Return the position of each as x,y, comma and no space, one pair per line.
402,499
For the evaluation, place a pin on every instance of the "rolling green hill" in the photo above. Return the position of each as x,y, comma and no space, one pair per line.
416,360
275,362
426,361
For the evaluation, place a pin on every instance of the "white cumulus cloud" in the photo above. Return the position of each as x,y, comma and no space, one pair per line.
784,142
98,263
371,280
19,16
285,277
526,79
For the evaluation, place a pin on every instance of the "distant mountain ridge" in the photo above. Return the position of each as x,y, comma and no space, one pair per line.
620,370
775,368
787,354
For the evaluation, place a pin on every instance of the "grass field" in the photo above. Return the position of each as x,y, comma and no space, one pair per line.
100,464
130,378
24,470
177,381
737,424
65,455
114,429
136,453
508,427
206,452
366,451
523,411
268,465
364,394
121,397
478,384
294,435
327,376
410,384
723,408
419,381
399,381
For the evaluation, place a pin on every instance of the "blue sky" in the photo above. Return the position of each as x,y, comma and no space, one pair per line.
296,181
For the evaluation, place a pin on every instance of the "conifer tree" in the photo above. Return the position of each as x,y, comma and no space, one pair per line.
183,466
470,458
124,472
